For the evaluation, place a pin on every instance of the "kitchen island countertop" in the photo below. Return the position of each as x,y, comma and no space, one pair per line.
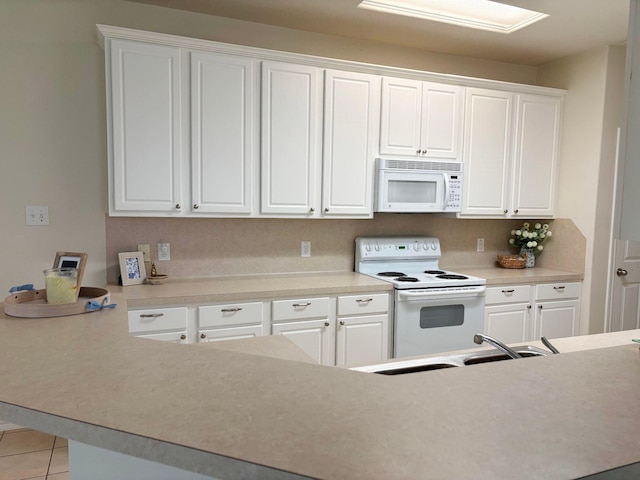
235,415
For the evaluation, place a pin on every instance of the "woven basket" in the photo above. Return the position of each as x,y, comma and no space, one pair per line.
512,261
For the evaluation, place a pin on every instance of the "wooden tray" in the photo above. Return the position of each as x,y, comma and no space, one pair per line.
33,303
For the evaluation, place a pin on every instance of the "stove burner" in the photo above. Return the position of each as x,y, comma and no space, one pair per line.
434,272
404,278
452,276
391,274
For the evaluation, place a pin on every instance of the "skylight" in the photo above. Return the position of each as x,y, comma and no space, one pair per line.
481,14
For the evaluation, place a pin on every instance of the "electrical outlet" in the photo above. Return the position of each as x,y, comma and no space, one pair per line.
37,215
164,252
480,245
305,249
145,248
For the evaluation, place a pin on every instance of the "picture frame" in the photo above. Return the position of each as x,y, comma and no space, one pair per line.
72,260
132,269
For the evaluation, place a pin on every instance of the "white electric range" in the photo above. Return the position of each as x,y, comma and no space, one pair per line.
435,310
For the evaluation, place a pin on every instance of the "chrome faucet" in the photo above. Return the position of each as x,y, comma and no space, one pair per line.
479,338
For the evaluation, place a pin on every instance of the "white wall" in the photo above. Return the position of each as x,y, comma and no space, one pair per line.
592,112
52,114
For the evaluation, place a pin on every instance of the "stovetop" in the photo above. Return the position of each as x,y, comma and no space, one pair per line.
407,262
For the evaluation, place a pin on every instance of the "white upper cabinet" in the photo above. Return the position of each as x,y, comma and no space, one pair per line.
144,127
536,155
291,138
487,151
511,144
351,126
420,119
224,133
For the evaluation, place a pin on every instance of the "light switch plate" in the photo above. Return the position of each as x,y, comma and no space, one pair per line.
145,248
37,215
305,249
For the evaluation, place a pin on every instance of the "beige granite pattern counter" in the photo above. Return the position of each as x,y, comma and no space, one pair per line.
234,415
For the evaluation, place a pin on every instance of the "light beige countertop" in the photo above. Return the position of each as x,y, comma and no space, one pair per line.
229,414
247,287
501,276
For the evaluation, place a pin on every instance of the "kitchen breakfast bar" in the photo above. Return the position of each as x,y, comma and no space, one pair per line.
258,409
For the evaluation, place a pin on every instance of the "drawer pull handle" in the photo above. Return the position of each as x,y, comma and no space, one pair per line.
299,305
511,290
364,300
231,310
559,289
151,315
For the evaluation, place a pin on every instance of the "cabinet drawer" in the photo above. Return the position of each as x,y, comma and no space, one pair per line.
508,294
363,304
300,308
231,314
557,291
150,320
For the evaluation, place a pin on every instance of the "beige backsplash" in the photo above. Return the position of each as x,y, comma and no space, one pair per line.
204,247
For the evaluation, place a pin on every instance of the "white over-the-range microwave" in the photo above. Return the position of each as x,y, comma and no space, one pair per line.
418,186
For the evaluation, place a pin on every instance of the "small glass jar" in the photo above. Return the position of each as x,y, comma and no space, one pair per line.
61,285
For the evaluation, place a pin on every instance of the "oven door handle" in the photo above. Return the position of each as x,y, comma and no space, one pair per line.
428,294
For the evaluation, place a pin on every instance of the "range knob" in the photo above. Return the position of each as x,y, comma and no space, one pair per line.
434,245
416,246
377,247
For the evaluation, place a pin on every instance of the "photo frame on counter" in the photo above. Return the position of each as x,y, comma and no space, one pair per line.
132,270
72,260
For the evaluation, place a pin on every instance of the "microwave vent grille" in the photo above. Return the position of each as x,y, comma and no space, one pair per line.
420,165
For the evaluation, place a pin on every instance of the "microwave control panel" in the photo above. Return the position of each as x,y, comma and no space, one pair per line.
454,194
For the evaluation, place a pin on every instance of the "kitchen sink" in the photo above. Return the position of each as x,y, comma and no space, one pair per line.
403,367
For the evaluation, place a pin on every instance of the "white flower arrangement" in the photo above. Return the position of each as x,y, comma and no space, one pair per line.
530,238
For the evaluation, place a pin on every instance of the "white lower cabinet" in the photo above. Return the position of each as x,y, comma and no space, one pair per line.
363,329
524,313
230,321
166,324
345,330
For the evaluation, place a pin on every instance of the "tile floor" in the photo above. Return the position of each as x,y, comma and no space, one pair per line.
28,454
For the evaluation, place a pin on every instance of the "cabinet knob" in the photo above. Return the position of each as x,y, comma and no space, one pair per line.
178,206
539,307
326,209
418,151
203,336
196,206
506,211
424,151
183,337
312,210
621,272
516,211
326,324
342,322
528,307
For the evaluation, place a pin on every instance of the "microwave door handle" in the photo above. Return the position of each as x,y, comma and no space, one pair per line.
446,190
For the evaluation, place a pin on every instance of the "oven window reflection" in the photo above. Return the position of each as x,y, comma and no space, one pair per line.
441,316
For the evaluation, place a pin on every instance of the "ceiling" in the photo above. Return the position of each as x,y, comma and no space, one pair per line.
572,26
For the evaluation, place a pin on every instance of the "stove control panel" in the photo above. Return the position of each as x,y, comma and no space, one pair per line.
397,248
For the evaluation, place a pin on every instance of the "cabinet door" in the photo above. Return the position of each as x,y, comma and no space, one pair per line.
557,319
441,122
314,337
174,337
362,340
509,323
401,114
291,132
487,147
229,333
224,143
145,136
536,156
351,126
